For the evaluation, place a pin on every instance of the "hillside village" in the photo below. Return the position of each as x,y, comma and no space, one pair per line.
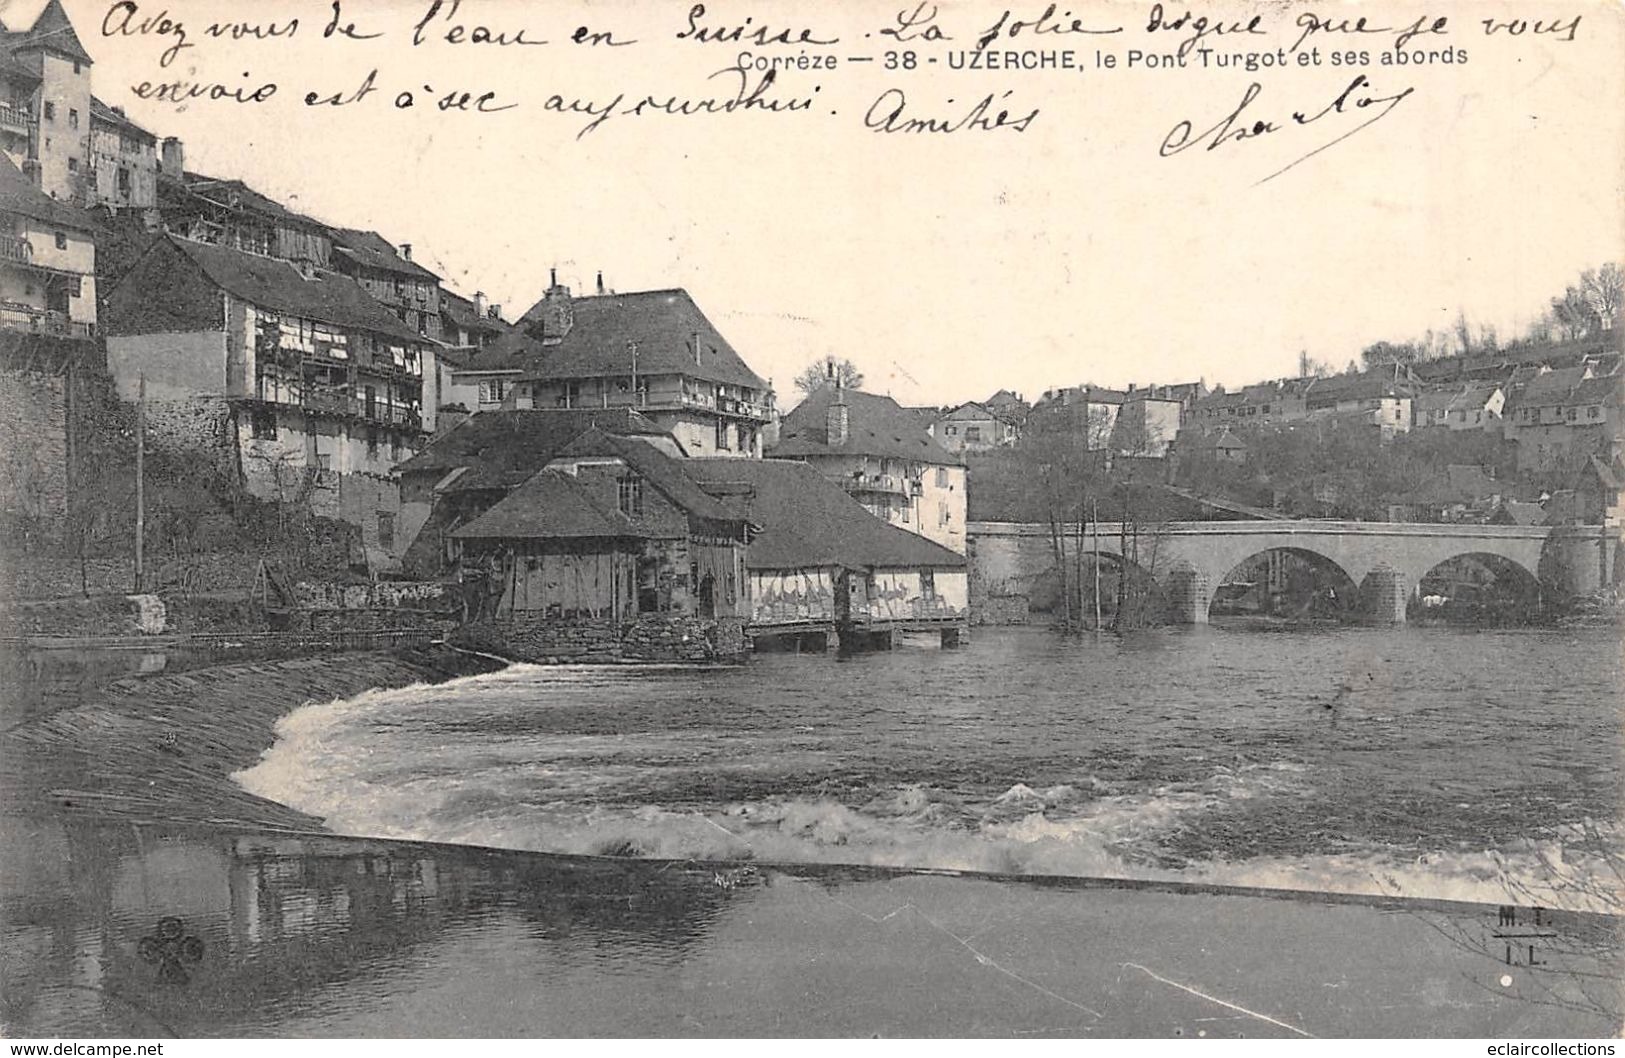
221,401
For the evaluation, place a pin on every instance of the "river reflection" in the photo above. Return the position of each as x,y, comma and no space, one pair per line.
314,935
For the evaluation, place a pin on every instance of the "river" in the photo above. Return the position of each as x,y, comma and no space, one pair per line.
1433,762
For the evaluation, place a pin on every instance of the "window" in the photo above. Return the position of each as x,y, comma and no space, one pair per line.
73,118
372,440
630,494
942,514
1593,413
928,584
973,433
942,477
722,435
76,68
50,111
263,424
908,513
493,390
61,240
124,181
73,165
386,530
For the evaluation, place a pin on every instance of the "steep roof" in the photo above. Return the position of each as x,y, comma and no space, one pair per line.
100,111
371,250
19,195
551,504
500,449
53,31
876,426
808,521
460,310
276,284
665,324
664,472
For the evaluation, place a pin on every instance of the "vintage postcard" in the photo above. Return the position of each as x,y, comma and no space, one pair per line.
718,519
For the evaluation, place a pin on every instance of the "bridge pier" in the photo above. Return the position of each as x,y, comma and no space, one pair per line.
1387,595
1189,593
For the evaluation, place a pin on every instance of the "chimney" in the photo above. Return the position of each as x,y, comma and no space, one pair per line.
600,284
406,251
172,161
557,315
479,303
836,420
494,312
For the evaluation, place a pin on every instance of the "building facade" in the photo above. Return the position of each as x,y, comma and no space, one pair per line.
304,388
884,457
47,261
654,351
45,119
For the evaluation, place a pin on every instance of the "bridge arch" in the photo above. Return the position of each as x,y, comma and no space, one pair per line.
1286,580
1124,584
1479,586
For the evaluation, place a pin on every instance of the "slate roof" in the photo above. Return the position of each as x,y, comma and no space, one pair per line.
19,195
238,195
275,284
1605,390
500,449
100,111
1550,387
663,323
876,426
460,310
53,31
371,250
664,472
513,351
807,521
551,504
1518,512
970,410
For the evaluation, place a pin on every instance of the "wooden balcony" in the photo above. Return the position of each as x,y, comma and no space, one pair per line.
13,248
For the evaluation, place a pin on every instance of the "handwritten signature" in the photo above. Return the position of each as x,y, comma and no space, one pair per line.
1234,128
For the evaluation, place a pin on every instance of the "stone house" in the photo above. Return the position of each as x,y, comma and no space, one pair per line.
884,457
47,261
654,351
300,385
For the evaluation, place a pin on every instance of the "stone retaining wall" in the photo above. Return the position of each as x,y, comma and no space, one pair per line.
651,637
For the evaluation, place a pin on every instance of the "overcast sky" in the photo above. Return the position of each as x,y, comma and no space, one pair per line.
949,266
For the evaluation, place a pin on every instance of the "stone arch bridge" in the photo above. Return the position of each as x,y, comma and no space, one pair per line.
1389,559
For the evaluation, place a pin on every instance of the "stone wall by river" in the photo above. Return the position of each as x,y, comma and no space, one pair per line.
163,747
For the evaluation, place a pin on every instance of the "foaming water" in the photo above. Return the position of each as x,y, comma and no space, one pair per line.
1415,762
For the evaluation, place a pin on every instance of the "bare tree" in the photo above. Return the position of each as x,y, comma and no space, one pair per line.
1573,314
1604,290
825,371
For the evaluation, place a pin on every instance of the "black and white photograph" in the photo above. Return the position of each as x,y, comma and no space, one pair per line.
718,520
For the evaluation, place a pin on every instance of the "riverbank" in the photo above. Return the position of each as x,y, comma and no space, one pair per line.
164,747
